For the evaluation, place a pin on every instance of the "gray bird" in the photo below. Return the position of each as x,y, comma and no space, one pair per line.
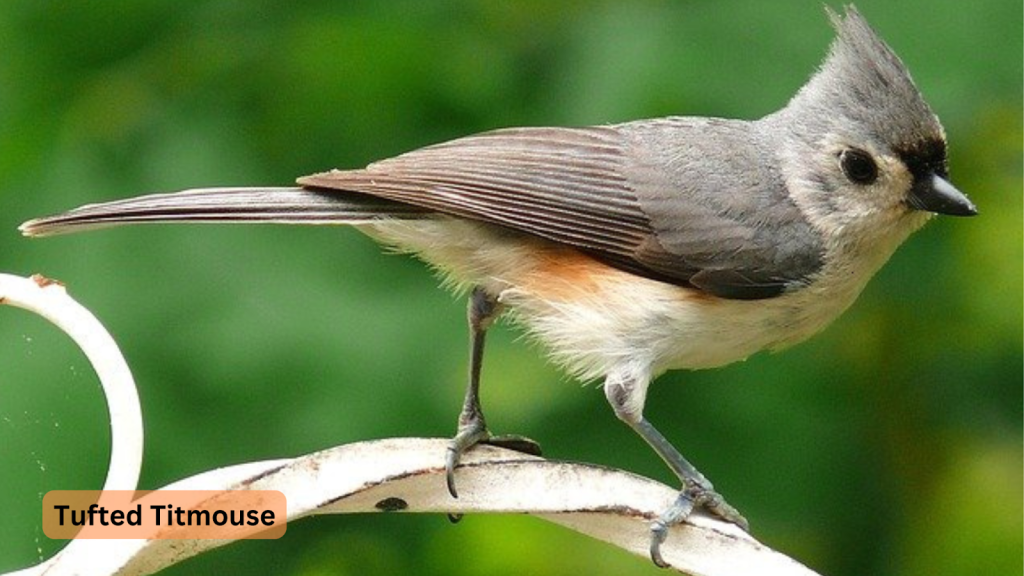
632,249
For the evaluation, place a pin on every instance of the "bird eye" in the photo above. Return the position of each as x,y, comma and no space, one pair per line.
858,166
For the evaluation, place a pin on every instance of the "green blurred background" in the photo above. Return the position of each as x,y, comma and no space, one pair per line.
888,445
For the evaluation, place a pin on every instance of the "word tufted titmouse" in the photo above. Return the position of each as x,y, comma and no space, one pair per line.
635,248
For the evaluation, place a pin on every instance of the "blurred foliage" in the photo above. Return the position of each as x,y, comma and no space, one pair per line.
888,445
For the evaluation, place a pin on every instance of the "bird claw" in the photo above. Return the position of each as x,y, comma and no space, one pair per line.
514,442
473,433
468,436
659,531
688,499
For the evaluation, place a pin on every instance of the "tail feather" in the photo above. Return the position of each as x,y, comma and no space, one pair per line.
290,205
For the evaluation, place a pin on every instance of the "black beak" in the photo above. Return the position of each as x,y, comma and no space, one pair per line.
935,194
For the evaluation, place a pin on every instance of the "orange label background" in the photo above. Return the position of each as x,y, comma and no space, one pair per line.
258,501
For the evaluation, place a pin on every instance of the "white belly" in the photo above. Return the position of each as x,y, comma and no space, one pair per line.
593,318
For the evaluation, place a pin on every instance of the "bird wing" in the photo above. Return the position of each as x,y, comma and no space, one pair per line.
578,186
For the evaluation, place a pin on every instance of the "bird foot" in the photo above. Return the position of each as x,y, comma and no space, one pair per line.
470,434
689,498
475,433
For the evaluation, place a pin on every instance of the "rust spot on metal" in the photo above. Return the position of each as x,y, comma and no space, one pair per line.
43,281
261,475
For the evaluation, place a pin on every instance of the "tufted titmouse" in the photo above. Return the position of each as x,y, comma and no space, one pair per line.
635,248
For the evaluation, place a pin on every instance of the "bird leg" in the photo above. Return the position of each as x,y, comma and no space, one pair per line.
626,399
482,310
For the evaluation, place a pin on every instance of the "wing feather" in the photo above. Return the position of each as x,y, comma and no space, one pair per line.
628,194
563,184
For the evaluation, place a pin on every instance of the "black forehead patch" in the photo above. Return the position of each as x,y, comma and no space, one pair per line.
924,157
